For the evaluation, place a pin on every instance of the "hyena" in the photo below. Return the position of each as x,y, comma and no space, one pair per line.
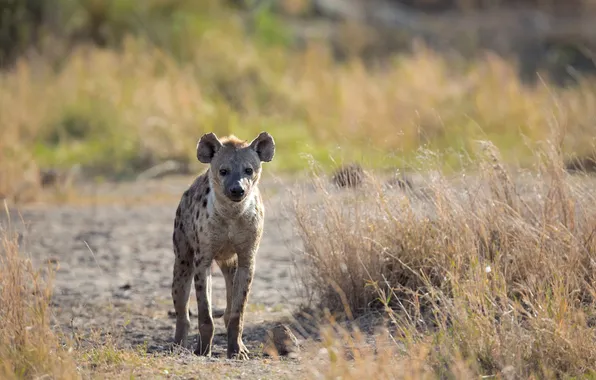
220,217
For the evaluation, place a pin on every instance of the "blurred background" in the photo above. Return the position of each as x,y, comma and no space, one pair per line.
109,89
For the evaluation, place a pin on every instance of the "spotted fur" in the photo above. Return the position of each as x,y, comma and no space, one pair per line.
219,218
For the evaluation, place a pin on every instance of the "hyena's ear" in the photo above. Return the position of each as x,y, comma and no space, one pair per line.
207,146
264,146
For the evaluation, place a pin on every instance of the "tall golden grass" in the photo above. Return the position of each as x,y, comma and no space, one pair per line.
490,273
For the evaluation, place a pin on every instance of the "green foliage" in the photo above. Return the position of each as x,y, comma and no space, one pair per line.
173,25
20,21
89,133
269,29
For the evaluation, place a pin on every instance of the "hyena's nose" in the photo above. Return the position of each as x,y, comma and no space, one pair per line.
237,192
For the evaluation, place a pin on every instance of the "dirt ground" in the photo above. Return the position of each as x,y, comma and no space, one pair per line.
112,250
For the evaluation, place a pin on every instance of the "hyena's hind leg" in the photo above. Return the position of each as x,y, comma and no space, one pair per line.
181,285
228,269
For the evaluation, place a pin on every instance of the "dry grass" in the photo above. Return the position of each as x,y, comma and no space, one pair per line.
28,347
493,276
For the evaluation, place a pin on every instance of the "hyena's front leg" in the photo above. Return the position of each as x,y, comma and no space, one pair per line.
228,269
203,292
242,285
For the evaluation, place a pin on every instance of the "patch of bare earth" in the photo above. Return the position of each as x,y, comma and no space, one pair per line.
112,251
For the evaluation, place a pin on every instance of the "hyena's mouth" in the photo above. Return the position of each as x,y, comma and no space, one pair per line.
236,198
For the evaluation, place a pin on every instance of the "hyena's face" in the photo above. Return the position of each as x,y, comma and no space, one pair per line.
235,165
235,172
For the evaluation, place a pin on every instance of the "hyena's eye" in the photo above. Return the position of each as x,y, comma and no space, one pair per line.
223,172
248,171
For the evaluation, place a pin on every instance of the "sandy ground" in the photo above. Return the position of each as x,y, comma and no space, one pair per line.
113,254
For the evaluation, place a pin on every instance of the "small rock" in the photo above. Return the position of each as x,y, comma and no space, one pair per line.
48,177
215,313
281,341
586,164
349,176
51,177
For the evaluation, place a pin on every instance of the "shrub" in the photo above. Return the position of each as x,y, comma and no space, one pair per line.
20,24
